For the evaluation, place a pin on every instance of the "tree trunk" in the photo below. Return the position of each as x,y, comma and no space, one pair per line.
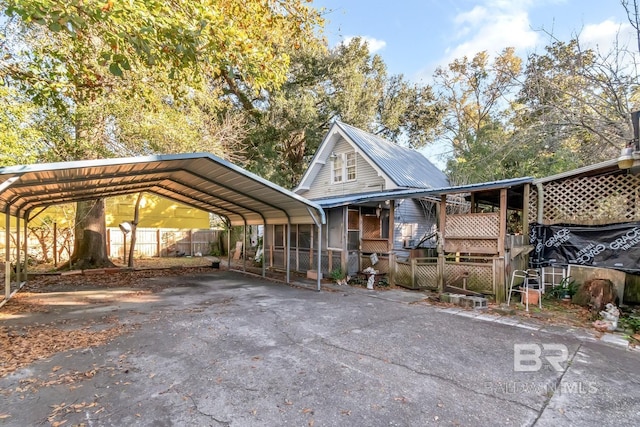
90,246
134,227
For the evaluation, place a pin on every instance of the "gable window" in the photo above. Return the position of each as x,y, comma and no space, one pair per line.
344,167
337,168
350,165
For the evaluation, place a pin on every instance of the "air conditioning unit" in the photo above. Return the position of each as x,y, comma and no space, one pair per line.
408,243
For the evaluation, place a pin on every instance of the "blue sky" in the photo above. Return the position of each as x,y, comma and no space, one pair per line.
416,36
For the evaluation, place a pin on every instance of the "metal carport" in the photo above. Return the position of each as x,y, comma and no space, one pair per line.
200,180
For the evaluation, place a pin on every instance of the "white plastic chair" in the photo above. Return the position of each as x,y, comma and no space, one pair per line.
531,282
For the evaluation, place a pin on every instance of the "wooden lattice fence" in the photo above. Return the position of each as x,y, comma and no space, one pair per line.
479,274
472,233
417,273
589,200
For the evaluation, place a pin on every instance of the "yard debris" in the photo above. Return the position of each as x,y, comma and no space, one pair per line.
22,345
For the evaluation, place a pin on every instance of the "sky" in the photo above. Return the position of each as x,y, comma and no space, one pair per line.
414,37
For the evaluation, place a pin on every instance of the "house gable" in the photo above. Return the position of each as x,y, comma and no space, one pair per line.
380,165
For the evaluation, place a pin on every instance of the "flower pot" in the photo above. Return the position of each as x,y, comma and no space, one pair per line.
532,296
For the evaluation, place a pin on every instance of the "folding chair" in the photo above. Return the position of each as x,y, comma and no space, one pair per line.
531,282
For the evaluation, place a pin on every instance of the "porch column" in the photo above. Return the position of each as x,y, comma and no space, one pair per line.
7,250
442,222
392,239
501,264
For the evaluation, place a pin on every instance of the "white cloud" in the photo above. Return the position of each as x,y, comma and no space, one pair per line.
604,34
374,44
492,26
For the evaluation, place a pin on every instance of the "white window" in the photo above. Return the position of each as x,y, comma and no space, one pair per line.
350,166
337,169
344,167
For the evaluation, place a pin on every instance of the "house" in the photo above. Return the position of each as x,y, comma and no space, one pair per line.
355,176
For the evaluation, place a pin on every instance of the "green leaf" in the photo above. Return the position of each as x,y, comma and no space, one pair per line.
115,69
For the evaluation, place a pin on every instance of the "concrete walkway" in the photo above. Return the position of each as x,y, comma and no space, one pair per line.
226,349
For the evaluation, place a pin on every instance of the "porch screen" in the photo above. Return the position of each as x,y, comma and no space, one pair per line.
335,228
304,236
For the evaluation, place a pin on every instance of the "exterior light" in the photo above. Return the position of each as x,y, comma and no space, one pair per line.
626,159
631,154
333,156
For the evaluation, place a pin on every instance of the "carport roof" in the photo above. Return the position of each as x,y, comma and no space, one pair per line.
200,180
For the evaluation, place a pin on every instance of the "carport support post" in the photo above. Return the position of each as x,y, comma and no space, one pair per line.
287,262
26,247
228,245
318,270
244,246
7,249
18,258
264,254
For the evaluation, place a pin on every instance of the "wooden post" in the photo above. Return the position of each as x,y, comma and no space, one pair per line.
525,209
500,264
158,243
392,269
442,222
55,246
413,273
499,279
191,242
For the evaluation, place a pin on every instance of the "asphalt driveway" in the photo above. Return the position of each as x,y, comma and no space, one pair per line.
225,349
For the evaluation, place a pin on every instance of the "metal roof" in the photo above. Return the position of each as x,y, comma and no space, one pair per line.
607,166
200,180
332,202
404,166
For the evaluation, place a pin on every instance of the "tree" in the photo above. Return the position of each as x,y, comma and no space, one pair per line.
476,96
633,14
346,83
574,103
70,57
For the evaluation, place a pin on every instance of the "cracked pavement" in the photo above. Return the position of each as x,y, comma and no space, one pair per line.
226,349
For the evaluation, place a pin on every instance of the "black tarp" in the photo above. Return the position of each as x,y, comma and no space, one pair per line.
615,246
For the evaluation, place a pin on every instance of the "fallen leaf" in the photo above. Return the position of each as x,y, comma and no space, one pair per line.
56,368
3,416
307,410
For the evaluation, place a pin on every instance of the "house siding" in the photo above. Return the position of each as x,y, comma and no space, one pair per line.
412,221
367,178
